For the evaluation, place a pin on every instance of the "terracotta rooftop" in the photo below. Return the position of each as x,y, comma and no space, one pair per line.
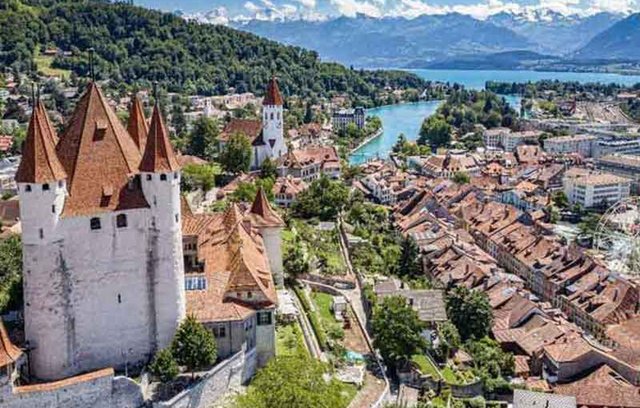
137,125
273,96
261,213
100,159
39,162
9,353
250,128
55,385
158,154
602,388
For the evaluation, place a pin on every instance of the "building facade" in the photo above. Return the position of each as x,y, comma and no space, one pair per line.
581,144
344,117
101,230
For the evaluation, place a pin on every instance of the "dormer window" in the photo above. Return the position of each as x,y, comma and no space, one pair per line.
95,223
100,130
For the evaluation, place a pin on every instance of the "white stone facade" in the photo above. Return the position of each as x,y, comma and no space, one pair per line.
273,130
102,290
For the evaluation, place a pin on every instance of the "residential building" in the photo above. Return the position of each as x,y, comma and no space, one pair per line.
340,119
266,135
617,146
286,189
493,138
310,163
595,189
429,304
581,144
623,165
526,196
450,164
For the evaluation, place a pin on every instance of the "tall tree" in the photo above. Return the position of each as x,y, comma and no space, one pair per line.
235,156
10,273
470,311
194,346
409,264
203,140
435,132
324,198
296,381
397,330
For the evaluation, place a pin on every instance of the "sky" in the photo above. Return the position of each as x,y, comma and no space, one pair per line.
224,10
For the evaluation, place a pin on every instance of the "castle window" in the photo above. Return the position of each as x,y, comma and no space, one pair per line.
119,298
149,176
95,223
271,115
264,318
163,177
175,175
249,295
177,218
41,232
45,187
121,221
27,188
53,208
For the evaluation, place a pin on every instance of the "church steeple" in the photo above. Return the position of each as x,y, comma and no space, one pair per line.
273,96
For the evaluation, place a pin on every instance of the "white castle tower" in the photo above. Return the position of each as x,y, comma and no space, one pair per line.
103,272
273,121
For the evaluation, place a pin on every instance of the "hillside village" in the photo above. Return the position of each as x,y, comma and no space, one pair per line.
167,249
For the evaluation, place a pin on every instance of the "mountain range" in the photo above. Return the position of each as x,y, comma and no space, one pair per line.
450,40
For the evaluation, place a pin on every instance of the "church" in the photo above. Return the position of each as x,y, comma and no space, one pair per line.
266,135
113,257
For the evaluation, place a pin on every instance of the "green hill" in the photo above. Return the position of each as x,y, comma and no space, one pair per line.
134,45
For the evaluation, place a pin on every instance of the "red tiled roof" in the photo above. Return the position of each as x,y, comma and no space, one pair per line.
137,125
9,353
603,388
250,128
158,154
261,213
273,96
39,162
99,158
55,385
6,141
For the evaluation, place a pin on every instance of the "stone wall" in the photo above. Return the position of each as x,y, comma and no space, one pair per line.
99,389
227,375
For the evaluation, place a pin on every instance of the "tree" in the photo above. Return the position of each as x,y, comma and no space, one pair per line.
203,139
246,191
409,263
435,132
397,330
164,366
461,178
10,273
194,346
324,198
560,199
296,381
296,261
470,312
269,169
449,339
490,361
198,176
235,156
308,113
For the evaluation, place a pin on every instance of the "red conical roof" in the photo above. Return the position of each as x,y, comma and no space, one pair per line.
100,159
158,155
273,96
137,125
39,162
262,215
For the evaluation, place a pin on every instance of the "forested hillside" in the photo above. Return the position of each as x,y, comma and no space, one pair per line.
135,44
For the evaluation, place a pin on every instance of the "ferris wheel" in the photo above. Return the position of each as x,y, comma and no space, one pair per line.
618,236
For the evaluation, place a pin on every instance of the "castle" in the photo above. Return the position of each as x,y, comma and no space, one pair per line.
107,238
266,135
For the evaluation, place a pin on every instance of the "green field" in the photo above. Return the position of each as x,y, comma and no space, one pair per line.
44,62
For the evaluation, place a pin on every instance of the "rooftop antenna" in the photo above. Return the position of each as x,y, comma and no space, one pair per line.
91,64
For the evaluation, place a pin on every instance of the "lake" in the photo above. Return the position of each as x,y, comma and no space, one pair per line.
407,118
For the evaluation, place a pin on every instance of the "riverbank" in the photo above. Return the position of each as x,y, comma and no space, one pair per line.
368,139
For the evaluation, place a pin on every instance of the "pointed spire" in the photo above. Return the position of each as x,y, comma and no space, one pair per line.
158,154
39,163
273,96
137,125
262,215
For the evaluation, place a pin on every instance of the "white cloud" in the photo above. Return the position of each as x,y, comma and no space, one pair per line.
615,6
308,3
350,8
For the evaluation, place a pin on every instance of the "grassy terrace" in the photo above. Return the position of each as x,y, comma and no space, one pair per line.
44,62
457,377
426,366
322,246
289,340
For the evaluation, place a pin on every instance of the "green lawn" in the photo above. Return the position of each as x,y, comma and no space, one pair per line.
323,308
43,62
289,340
348,391
453,376
425,365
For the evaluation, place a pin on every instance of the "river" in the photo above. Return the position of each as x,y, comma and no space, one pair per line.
407,117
